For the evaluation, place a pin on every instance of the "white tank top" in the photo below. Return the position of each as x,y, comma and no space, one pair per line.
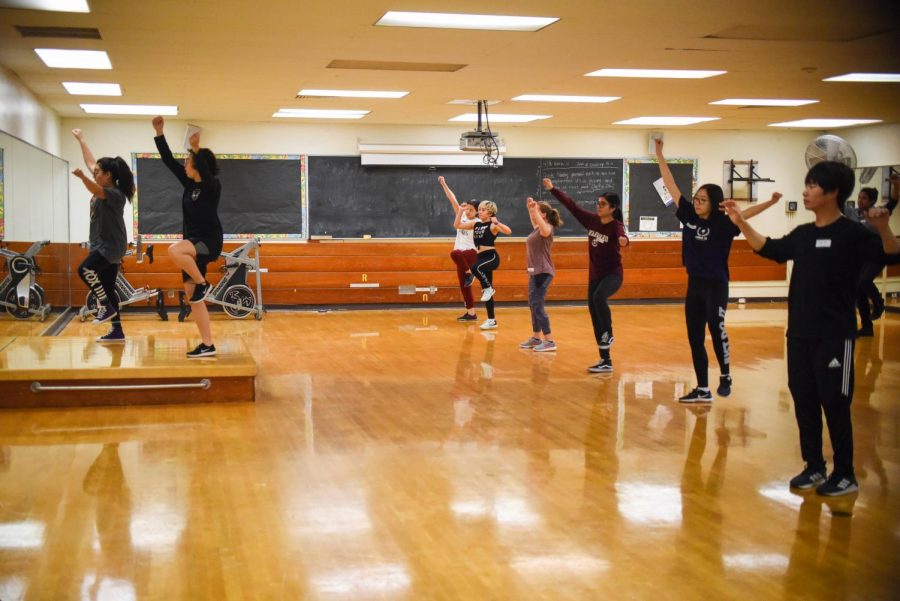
464,238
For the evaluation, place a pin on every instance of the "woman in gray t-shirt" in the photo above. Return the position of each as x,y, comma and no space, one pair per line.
545,220
111,185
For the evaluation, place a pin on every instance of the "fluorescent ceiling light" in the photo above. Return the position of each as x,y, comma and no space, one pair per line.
130,109
763,102
665,120
92,89
824,123
657,73
501,118
321,114
74,59
867,77
63,6
561,98
460,21
352,93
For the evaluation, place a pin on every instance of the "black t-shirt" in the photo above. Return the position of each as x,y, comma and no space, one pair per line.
199,203
107,230
705,243
483,235
827,262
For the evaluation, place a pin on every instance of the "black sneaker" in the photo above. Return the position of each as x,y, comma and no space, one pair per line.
865,332
202,351
105,313
724,388
808,478
603,366
697,396
606,341
838,485
470,277
467,317
200,291
115,335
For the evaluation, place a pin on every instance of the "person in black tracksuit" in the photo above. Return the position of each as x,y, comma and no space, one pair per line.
111,185
202,236
706,244
828,256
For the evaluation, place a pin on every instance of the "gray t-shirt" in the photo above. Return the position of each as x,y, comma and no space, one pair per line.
107,233
538,247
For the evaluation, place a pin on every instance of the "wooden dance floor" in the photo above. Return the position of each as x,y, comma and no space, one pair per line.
402,455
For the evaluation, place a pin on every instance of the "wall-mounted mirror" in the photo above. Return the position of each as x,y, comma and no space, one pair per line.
34,229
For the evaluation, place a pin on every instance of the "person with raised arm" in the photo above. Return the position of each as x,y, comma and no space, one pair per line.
544,222
828,255
202,234
606,235
705,245
111,185
484,232
464,253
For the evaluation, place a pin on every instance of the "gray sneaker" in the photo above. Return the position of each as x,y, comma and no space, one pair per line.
530,343
545,347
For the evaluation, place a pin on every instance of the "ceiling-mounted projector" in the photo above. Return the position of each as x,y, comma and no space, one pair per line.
479,141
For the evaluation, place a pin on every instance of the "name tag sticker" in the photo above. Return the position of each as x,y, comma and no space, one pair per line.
823,243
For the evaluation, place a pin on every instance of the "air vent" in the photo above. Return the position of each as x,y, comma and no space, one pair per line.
394,66
71,33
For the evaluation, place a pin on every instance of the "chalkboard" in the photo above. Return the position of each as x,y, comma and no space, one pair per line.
644,201
261,195
349,200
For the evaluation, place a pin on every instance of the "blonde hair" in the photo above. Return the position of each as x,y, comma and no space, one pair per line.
488,205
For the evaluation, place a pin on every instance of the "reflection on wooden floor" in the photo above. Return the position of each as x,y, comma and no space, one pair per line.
401,455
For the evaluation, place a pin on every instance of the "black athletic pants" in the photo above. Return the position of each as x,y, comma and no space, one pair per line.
820,377
704,307
599,292
100,276
483,269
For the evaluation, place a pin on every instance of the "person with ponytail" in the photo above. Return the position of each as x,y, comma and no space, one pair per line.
606,235
112,183
202,237
705,246
544,220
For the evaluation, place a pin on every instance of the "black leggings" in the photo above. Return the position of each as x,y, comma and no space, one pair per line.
599,292
100,276
704,307
483,269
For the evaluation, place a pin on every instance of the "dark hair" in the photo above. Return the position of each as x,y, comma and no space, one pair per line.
716,196
205,163
871,194
615,203
831,176
120,173
550,213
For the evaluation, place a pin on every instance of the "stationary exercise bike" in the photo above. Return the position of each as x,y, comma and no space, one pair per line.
232,292
128,294
20,294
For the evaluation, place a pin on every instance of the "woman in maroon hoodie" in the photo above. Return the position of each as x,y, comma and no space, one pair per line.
606,234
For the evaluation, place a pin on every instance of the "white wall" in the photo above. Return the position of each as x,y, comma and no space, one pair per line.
25,117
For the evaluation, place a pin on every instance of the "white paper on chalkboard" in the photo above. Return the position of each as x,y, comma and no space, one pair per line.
648,223
663,192
191,130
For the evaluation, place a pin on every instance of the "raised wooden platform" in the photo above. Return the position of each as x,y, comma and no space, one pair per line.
145,370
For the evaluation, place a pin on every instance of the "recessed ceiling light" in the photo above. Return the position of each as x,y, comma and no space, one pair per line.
763,102
63,6
665,120
657,73
462,21
824,123
866,77
74,59
321,113
352,93
562,98
501,118
92,89
130,109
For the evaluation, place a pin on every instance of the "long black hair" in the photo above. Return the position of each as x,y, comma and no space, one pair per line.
716,196
615,203
120,173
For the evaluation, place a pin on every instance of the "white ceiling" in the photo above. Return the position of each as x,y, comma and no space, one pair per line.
241,61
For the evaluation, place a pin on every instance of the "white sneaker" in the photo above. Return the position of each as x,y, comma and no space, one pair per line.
489,324
487,294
